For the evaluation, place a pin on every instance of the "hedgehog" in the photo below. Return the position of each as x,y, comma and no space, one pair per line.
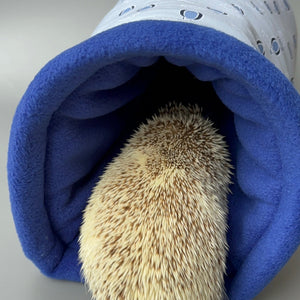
155,224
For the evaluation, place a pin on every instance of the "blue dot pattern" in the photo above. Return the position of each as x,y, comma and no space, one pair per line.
189,14
268,26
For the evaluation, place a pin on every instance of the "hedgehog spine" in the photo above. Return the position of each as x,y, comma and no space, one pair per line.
155,224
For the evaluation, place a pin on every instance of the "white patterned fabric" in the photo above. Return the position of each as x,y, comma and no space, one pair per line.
269,26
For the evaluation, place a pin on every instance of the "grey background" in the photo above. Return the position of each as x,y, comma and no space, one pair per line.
31,33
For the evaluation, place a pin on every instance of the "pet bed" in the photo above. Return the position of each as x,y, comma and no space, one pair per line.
236,59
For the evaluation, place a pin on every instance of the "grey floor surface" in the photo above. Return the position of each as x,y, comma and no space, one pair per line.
31,33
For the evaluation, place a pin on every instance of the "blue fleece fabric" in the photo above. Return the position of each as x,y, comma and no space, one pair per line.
82,105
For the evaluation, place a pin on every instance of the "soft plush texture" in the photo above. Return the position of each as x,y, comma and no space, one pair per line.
82,105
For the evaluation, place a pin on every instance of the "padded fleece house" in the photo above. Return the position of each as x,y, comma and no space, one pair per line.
81,107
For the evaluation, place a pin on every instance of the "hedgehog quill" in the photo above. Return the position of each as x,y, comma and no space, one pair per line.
155,225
